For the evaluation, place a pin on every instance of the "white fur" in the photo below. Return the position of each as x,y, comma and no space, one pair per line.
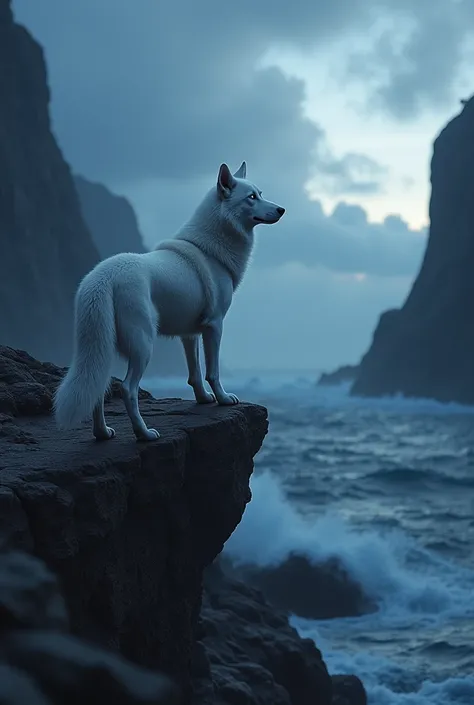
183,288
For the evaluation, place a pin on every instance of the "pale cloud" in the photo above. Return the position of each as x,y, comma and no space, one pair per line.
417,58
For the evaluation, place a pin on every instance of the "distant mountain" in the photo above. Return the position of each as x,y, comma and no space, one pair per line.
426,348
111,219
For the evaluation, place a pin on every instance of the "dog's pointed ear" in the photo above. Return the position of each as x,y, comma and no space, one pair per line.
241,172
225,181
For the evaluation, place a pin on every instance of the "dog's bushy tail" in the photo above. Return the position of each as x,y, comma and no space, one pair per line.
88,376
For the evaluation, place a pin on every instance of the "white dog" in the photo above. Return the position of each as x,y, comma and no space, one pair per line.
182,288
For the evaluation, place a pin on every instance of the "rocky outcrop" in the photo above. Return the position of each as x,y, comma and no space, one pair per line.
46,247
111,219
426,349
130,529
42,664
249,654
346,373
254,656
307,589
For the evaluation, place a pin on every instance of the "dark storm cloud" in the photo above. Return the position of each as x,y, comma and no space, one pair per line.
161,93
155,89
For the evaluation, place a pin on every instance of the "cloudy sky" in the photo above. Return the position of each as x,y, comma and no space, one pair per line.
333,105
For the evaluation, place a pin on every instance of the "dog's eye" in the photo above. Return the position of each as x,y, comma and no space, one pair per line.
253,197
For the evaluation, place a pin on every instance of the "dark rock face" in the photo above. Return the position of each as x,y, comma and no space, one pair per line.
128,528
41,664
426,348
312,591
254,656
111,219
46,247
346,373
348,690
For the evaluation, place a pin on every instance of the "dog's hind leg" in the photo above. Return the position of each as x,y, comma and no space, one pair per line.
140,352
101,431
136,332
195,378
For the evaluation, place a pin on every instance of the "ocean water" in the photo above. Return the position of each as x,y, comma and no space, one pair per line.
386,485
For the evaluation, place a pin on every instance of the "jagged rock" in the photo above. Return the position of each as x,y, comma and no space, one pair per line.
129,529
348,690
27,387
426,348
310,590
346,373
46,247
254,655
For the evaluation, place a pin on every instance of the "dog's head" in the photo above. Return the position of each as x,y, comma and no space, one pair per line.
243,201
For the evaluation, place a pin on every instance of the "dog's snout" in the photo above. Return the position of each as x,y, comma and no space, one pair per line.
280,210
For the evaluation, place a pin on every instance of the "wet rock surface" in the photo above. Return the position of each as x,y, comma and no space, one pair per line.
310,590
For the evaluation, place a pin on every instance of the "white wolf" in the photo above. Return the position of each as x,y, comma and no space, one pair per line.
182,288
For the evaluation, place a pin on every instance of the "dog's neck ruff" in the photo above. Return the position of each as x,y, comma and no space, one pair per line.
221,241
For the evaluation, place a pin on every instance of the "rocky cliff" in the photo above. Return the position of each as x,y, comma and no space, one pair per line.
45,244
130,530
426,349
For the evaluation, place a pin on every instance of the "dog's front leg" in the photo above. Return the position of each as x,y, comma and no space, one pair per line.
211,338
195,380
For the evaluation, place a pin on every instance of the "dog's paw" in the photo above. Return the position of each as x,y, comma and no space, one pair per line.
109,433
228,400
150,434
206,398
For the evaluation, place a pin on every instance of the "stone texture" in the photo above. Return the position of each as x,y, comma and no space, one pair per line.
130,529
348,690
46,247
248,654
426,348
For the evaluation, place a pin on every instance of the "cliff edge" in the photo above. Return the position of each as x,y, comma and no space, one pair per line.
128,528
426,348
